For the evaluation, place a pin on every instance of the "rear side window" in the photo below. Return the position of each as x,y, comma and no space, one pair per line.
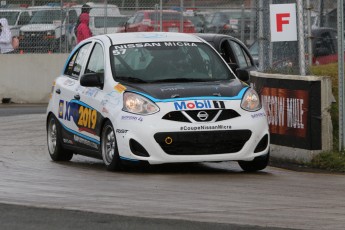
96,62
166,16
242,56
109,21
75,64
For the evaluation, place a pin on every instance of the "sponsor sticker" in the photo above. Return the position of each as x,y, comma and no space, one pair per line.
132,118
121,130
258,115
85,142
199,104
120,88
67,141
86,118
205,127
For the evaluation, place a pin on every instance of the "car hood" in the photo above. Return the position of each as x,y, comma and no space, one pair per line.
38,27
227,88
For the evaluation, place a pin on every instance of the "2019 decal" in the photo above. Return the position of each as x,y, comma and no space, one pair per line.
85,117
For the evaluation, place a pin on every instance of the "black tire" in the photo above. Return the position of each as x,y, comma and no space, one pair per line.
109,148
259,163
55,148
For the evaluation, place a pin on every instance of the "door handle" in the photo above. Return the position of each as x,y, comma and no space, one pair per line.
58,91
77,97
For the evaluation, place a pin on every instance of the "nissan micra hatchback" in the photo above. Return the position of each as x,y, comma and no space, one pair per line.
154,98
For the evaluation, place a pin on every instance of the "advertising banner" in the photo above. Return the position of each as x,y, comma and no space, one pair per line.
293,109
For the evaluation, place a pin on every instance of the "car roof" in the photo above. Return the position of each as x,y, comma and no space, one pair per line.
215,37
13,9
164,11
142,37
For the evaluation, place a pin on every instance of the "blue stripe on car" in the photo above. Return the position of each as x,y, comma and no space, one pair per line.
237,97
82,104
128,159
81,135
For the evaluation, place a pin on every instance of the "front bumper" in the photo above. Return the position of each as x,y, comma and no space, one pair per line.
164,141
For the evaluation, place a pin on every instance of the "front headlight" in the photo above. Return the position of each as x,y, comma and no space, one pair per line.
251,101
134,103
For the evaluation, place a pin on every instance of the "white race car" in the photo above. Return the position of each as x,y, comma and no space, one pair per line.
154,98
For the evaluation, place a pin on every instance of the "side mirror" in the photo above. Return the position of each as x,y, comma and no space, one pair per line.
243,74
92,80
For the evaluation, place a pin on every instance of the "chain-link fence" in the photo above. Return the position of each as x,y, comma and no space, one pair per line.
43,26
318,33
47,26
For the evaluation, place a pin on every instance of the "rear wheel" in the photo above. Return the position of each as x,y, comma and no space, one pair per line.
56,151
259,163
109,148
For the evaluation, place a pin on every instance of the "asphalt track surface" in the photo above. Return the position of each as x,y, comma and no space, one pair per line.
37,193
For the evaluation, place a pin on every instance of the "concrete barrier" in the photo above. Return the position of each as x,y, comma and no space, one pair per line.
297,109
27,78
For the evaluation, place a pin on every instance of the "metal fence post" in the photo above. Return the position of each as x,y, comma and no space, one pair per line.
105,16
161,16
340,21
301,47
310,38
261,36
181,18
243,18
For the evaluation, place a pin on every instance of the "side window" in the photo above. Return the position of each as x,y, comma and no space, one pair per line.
217,19
73,17
242,57
139,18
24,18
131,20
226,52
76,62
96,62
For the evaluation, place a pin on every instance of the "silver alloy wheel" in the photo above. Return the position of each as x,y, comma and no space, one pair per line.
52,132
108,144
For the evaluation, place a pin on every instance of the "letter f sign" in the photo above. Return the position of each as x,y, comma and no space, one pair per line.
281,21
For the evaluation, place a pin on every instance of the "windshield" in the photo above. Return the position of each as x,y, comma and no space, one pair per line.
110,21
10,16
168,62
47,17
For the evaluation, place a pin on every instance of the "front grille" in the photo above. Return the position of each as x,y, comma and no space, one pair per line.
221,115
34,35
202,143
194,114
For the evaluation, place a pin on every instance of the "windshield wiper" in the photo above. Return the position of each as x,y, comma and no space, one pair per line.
130,79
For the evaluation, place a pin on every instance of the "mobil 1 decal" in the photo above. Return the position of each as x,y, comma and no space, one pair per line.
86,118
199,104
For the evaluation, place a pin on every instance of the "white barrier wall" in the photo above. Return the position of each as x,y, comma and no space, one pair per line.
28,78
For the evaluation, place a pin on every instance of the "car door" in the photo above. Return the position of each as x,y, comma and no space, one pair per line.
89,102
68,97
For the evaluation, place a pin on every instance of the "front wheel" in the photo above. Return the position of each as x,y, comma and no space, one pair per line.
109,148
259,163
56,151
